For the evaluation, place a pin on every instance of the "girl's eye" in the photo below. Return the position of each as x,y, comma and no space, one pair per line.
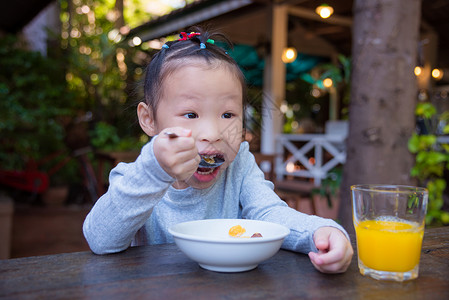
191,115
227,115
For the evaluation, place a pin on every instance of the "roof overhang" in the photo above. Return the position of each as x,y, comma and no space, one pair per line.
15,14
188,16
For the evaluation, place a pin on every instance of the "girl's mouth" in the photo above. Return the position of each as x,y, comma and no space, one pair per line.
205,171
209,167
206,174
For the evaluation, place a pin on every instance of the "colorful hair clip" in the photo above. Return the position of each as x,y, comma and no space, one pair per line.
210,41
165,46
184,36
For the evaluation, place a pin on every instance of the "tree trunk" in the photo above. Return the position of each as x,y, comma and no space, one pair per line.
383,96
120,21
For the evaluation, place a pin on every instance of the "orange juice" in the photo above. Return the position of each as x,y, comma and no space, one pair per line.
389,245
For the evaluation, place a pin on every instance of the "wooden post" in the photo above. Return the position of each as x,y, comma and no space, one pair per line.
274,80
333,105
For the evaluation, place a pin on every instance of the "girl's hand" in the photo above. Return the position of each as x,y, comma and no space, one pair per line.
177,156
334,250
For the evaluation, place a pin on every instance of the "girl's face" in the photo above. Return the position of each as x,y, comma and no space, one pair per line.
208,100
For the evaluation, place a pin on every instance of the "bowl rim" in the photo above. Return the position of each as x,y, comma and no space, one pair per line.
228,240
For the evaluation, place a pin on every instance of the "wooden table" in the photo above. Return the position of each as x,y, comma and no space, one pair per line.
163,272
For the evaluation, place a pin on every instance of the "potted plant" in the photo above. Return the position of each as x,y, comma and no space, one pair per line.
33,99
432,159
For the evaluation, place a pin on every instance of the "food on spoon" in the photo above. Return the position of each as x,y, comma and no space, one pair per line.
236,231
209,159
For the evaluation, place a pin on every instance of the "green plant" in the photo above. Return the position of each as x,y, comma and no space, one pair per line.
341,78
104,70
330,185
105,137
432,158
33,97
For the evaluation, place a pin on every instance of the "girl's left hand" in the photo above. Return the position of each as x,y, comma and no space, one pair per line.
334,250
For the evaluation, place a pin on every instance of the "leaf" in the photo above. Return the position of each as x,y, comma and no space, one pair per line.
429,219
415,171
413,143
445,217
421,157
434,157
412,202
426,110
428,141
440,184
446,129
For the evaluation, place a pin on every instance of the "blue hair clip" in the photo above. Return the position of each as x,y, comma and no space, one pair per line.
165,46
202,46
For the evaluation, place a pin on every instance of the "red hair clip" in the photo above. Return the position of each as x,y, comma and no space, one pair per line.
184,36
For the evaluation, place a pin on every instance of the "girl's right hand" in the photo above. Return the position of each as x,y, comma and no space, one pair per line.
177,156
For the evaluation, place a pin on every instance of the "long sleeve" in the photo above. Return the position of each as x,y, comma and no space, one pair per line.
259,201
134,190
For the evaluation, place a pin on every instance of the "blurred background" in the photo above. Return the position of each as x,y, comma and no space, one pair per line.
71,76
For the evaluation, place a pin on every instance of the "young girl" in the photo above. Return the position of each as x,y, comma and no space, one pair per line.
194,106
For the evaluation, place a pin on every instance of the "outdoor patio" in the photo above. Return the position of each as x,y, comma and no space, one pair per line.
307,157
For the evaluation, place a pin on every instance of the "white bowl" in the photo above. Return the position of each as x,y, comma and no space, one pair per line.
208,243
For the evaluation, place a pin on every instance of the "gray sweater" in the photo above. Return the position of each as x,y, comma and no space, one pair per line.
140,205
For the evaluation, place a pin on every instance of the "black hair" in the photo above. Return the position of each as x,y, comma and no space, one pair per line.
175,54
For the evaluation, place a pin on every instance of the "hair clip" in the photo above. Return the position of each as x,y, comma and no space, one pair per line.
210,41
165,46
184,36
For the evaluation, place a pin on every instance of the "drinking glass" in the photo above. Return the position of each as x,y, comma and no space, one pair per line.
389,225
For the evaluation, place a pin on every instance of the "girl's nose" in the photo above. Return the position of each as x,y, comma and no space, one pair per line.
209,132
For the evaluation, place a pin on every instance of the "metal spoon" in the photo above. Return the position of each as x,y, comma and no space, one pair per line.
206,161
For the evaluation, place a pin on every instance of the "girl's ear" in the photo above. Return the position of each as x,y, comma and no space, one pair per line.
146,120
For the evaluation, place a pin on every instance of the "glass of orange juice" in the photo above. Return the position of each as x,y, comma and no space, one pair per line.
389,225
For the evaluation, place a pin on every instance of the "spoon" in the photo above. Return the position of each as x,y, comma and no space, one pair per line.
207,161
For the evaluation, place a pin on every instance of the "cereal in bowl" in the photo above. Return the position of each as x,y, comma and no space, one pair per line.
238,231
